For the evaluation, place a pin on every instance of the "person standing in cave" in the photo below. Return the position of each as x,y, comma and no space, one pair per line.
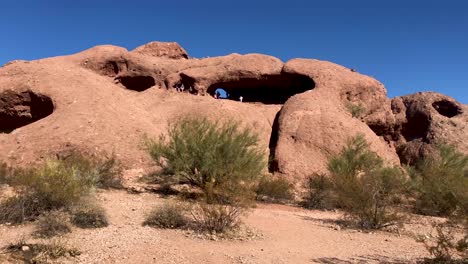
217,95
241,99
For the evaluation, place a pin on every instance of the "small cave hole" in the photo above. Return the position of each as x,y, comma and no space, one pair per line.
271,89
112,68
137,83
447,108
416,127
18,109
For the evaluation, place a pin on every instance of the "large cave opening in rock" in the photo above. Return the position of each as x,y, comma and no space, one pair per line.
137,83
19,109
447,108
271,89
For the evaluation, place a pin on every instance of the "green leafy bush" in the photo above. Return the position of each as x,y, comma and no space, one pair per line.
89,214
53,223
441,183
210,155
221,159
168,215
57,184
360,185
54,185
319,192
365,188
274,189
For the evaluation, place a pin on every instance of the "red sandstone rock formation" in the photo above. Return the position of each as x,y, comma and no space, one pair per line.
107,99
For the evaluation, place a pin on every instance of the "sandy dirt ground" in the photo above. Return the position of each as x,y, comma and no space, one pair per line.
285,234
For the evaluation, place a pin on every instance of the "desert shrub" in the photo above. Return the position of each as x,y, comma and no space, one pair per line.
274,189
54,185
42,252
53,223
168,215
319,192
19,208
57,184
446,248
441,183
89,214
356,110
107,171
221,159
217,218
209,155
365,189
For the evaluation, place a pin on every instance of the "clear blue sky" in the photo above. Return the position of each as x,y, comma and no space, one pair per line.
411,45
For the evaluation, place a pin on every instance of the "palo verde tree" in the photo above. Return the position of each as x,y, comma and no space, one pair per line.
217,157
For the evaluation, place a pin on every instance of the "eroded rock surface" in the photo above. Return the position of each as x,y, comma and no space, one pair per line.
315,125
422,121
20,108
107,99
170,50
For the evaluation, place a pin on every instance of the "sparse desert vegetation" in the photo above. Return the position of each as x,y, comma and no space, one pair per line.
58,184
370,193
168,215
360,185
89,214
441,183
220,159
55,195
53,223
355,109
40,253
441,186
274,189
197,152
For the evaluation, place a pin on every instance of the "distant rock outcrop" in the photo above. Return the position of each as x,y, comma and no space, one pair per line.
108,98
315,125
170,50
422,121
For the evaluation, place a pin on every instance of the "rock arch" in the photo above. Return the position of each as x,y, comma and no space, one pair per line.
269,89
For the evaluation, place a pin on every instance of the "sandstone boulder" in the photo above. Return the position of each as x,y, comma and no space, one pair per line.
423,120
315,125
